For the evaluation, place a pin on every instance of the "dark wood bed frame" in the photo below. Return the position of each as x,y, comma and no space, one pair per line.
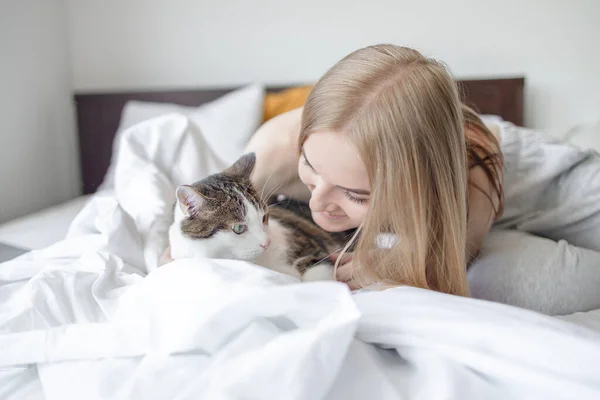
98,115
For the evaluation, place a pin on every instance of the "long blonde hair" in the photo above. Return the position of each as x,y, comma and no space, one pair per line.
403,113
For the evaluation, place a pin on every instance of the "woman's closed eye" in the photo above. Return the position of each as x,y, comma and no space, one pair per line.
357,200
305,162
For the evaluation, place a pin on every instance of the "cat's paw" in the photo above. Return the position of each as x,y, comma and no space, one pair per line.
319,272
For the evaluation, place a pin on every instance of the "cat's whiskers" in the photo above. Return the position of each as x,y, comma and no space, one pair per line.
262,192
278,203
270,193
266,200
290,199
265,185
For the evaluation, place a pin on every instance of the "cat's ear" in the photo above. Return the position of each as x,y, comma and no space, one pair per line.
189,200
243,167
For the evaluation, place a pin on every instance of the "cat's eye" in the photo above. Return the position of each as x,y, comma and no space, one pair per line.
238,229
266,219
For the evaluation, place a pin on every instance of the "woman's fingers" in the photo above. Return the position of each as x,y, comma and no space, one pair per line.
352,285
344,272
345,259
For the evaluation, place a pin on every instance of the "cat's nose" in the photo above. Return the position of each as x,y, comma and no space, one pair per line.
266,244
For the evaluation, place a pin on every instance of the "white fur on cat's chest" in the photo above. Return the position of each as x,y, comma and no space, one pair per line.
275,257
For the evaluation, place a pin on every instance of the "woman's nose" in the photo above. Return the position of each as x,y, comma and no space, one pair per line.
319,198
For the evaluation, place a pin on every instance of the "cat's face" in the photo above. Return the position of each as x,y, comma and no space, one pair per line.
221,216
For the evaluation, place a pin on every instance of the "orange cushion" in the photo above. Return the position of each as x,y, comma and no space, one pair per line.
279,102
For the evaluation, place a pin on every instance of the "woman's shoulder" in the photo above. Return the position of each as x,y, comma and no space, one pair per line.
484,136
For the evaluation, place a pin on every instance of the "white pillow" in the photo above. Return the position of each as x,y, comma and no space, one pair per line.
227,123
585,136
490,119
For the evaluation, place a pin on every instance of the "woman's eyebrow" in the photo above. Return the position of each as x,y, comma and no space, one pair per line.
360,192
357,191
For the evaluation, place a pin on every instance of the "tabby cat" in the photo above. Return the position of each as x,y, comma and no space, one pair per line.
222,216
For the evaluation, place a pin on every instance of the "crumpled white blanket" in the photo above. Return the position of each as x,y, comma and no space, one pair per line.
83,319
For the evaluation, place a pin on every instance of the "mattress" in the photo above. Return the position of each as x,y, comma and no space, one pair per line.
43,228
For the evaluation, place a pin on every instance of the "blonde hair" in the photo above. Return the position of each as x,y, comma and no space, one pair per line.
484,152
403,112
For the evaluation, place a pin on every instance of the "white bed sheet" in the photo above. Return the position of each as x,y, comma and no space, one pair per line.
43,228
91,317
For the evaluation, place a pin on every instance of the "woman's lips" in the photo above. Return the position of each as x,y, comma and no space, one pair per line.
333,216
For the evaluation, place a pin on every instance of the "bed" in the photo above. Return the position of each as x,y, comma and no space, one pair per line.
91,316
42,228
99,117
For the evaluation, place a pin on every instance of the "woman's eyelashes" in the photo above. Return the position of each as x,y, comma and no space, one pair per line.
305,162
353,198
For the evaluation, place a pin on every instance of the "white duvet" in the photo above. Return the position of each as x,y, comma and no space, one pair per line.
83,319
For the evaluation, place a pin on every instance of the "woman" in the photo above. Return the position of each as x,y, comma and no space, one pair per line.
386,146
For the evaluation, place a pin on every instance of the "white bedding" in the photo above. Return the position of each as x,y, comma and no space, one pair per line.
81,320
43,228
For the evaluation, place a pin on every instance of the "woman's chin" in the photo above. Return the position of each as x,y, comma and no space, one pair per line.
331,223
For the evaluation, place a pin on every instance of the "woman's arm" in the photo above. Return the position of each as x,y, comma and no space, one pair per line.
483,200
481,211
276,146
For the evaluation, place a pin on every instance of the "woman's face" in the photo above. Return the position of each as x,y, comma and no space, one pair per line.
333,171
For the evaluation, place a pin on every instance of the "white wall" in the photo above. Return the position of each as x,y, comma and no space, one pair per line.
38,158
119,44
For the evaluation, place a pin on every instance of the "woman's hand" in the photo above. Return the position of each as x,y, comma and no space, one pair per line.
165,257
345,270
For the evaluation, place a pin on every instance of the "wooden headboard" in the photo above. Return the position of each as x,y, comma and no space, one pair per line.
99,114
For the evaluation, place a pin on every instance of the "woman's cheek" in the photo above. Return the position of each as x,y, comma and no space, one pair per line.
303,173
358,213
